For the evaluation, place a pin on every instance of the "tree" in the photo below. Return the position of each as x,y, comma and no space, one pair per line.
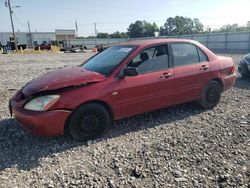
149,29
118,34
102,35
90,37
234,28
242,28
135,30
248,25
142,29
180,25
229,28
198,26
169,27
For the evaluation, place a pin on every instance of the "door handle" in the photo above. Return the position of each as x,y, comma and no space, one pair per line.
204,67
166,75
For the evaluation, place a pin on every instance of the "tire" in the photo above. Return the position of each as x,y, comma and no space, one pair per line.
210,95
88,122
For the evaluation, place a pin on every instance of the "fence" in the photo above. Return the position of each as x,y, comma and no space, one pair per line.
219,42
91,43
224,42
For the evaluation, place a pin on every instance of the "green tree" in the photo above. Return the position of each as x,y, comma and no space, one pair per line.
90,37
242,28
118,34
102,35
229,28
198,26
234,28
142,29
135,30
180,25
248,25
149,29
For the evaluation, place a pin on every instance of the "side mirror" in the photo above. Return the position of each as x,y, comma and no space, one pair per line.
130,71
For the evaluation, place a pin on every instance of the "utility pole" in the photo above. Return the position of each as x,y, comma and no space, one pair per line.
12,25
31,46
76,29
95,30
95,34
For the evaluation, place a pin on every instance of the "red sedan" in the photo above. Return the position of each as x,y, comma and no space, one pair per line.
123,80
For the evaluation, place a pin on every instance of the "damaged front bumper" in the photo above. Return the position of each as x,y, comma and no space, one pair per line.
48,123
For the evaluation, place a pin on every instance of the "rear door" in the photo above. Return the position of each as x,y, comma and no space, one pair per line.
191,71
152,88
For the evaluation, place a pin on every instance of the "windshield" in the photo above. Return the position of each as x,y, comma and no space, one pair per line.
106,61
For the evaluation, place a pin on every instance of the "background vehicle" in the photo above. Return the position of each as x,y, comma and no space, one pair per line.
74,49
101,47
44,46
123,80
244,66
11,46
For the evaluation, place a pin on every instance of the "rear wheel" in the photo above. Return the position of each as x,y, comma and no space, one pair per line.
88,122
210,95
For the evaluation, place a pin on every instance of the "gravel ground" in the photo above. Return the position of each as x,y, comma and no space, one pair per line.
181,146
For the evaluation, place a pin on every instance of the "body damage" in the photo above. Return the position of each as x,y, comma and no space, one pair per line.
57,82
69,77
223,70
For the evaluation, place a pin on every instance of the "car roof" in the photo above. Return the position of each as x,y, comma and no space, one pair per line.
145,43
148,42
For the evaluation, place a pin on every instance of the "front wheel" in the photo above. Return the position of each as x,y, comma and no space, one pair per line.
210,95
88,122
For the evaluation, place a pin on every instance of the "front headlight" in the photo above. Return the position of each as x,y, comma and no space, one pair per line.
42,103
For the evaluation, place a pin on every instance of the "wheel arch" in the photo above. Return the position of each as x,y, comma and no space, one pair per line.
220,82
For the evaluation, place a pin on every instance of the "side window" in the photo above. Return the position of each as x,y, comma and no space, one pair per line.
139,58
184,54
151,60
202,56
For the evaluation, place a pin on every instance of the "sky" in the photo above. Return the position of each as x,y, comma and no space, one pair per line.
117,15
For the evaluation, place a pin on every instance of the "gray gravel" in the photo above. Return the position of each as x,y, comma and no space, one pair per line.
181,146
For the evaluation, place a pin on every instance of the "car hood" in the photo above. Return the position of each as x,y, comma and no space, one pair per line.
61,79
